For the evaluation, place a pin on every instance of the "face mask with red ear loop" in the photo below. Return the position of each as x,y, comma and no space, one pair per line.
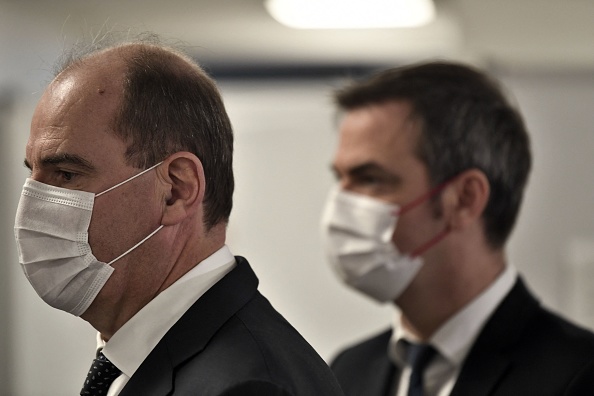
357,234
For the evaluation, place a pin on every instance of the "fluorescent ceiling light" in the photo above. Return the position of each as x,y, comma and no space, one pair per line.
351,14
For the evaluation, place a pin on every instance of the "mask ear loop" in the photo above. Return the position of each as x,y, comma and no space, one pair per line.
149,235
128,179
417,201
135,246
433,241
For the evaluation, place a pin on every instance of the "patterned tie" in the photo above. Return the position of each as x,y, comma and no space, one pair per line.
419,356
100,377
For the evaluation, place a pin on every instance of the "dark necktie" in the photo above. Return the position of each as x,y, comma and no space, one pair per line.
419,356
101,374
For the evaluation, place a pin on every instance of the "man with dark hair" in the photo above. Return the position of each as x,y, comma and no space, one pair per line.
431,164
123,223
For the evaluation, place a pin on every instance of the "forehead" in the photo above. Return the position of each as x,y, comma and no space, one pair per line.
383,133
75,116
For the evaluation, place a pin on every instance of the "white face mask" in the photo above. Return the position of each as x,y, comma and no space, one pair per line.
51,231
358,234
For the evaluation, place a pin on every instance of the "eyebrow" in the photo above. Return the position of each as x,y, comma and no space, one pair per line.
64,159
365,168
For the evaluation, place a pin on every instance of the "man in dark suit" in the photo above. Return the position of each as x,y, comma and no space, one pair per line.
123,223
431,164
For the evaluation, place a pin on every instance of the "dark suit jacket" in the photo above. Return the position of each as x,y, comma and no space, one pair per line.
232,342
522,350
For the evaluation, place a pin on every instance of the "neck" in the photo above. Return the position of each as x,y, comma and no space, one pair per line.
194,253
132,288
444,288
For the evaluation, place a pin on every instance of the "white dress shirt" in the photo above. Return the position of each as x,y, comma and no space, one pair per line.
452,340
134,341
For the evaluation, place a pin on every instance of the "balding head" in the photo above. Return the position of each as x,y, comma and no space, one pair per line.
164,103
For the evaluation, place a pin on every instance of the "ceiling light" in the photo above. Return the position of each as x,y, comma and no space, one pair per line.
351,14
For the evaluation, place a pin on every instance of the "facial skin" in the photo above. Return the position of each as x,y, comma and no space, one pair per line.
376,157
71,145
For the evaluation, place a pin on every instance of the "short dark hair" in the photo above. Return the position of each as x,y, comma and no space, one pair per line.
466,123
170,104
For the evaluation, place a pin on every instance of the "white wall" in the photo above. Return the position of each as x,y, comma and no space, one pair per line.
285,139
284,144
557,211
44,343
6,106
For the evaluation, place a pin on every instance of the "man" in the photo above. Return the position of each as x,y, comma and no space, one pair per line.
123,223
431,165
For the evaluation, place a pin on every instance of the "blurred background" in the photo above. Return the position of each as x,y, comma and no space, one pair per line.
277,82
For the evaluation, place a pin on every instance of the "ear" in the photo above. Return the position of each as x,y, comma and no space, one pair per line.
183,175
465,199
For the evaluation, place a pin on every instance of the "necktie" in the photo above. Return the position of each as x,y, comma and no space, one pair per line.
101,374
419,356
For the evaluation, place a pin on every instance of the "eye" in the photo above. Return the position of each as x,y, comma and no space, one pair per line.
369,179
67,176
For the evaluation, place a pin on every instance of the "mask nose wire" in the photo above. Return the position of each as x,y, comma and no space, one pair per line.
128,179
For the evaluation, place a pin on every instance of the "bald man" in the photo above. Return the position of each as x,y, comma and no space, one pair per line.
123,220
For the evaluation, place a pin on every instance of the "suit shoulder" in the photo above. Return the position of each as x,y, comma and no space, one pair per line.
375,345
256,388
555,332
365,368
258,348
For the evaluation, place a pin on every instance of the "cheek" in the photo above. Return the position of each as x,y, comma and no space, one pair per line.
118,223
416,228
404,235
107,234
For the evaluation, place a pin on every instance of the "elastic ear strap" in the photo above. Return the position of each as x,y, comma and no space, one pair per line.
433,241
415,202
135,246
128,179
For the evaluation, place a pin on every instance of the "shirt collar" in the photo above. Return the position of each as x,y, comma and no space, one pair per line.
455,337
133,342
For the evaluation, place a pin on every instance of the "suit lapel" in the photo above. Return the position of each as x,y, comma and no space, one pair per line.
488,360
153,377
480,379
193,330
378,375
382,372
